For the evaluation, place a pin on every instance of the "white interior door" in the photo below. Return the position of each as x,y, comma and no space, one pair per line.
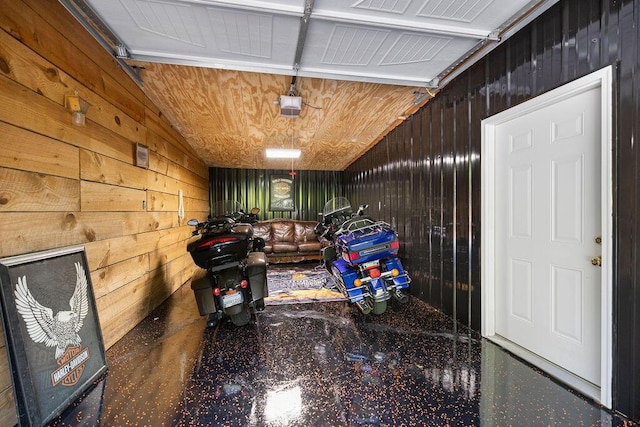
548,211
546,221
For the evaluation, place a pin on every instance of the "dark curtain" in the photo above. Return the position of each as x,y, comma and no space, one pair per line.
250,187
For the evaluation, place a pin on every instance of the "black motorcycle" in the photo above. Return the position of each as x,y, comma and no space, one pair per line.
233,269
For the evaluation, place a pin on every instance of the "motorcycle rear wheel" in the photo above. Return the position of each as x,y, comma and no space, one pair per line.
212,320
241,318
379,307
259,304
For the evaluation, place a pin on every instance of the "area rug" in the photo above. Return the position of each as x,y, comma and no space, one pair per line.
303,283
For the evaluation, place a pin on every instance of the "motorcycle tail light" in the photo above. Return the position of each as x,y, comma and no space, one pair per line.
395,244
374,273
395,272
216,241
357,283
353,256
216,291
244,284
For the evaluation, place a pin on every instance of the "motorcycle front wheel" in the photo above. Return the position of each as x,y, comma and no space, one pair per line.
242,318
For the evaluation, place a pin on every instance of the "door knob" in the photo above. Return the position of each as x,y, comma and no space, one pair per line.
597,261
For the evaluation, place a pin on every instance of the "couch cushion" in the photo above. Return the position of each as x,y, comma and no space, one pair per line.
282,231
304,231
280,247
309,246
263,230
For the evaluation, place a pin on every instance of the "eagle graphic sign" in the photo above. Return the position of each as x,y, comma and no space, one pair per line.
52,331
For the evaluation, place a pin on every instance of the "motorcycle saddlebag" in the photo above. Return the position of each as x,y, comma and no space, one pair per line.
203,292
257,272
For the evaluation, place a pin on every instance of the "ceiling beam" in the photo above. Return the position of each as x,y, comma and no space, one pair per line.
302,33
91,22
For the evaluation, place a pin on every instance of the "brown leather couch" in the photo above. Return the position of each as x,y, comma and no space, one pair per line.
288,240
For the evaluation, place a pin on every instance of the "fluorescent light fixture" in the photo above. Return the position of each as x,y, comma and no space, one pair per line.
283,153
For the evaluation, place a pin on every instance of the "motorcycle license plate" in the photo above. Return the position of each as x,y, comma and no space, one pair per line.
371,264
230,300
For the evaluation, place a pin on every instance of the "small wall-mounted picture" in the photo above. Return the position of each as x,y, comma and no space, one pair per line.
281,193
52,331
142,156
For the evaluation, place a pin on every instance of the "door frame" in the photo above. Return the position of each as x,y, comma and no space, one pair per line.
603,79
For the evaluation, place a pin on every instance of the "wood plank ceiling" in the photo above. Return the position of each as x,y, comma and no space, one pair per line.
217,68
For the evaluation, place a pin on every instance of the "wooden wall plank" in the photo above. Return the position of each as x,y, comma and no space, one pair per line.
37,153
33,192
178,234
172,277
99,168
157,201
8,415
183,174
150,221
164,166
26,109
197,206
177,265
164,148
165,184
36,231
114,276
110,198
41,76
166,254
110,251
29,232
38,25
5,372
132,302
126,305
162,183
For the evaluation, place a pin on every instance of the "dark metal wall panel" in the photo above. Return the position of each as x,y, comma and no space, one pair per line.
438,223
250,187
431,163
448,203
477,100
627,356
461,244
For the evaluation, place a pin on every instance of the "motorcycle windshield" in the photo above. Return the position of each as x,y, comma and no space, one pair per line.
336,205
225,208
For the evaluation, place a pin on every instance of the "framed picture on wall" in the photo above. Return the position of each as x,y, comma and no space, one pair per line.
281,193
51,329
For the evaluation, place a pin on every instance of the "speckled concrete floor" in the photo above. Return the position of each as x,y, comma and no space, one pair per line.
321,364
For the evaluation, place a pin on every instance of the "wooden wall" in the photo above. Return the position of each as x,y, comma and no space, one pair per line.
63,185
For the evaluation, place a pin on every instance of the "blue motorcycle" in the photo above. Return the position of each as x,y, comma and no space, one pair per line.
362,256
